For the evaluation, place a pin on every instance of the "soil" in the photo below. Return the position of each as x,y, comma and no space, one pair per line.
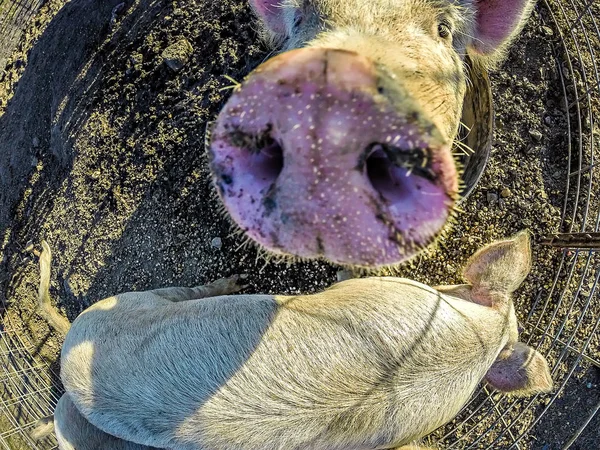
104,158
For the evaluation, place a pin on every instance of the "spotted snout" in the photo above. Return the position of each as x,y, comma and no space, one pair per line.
313,158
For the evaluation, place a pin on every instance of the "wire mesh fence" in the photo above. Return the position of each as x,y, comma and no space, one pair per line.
563,322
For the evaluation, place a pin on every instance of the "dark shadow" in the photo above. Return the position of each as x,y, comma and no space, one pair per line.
30,127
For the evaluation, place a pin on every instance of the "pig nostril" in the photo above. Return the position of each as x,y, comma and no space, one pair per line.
264,154
268,161
384,176
390,171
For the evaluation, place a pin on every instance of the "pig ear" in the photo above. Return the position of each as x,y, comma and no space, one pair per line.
499,268
497,23
520,370
272,14
459,290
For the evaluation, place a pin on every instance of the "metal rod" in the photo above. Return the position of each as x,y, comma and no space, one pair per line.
570,349
586,241
583,427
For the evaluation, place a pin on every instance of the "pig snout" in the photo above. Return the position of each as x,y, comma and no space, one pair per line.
313,158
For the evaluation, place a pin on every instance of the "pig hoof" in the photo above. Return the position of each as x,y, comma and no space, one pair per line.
312,160
231,285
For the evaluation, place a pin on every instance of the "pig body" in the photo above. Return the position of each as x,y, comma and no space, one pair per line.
347,135
357,366
345,371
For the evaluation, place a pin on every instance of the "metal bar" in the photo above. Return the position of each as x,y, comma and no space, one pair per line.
571,349
583,427
583,241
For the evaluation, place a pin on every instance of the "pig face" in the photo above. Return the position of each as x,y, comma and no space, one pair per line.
340,147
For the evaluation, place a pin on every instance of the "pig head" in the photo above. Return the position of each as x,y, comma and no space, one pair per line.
341,146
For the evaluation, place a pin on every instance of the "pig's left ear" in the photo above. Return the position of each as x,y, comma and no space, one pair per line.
272,14
520,370
496,25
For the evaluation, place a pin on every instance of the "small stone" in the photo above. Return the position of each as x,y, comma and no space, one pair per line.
178,54
492,197
505,193
35,142
532,150
548,31
216,243
68,285
589,385
135,62
536,135
548,120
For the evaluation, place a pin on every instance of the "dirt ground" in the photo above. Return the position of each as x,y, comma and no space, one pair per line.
103,156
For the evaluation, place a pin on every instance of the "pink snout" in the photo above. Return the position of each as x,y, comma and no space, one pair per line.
311,158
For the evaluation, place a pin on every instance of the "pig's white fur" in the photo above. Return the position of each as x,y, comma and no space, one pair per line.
349,368
369,363
389,18
357,366
73,432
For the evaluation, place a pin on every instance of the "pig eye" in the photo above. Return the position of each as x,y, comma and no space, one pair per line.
444,30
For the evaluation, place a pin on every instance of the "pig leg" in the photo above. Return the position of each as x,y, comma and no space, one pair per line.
224,286
74,432
520,370
45,307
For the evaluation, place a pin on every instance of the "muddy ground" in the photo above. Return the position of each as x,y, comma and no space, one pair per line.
103,156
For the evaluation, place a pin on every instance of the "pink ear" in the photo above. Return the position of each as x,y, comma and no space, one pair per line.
271,12
497,22
520,370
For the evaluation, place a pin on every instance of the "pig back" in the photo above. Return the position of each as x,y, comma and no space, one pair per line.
364,364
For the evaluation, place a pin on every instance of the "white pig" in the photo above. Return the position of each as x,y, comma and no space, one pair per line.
371,363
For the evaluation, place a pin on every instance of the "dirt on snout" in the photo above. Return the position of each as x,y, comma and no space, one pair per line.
103,111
